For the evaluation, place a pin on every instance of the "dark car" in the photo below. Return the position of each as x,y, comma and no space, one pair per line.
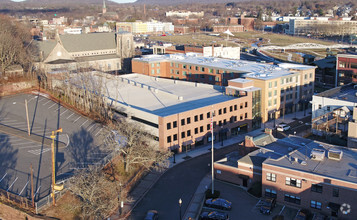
152,215
219,203
214,215
267,206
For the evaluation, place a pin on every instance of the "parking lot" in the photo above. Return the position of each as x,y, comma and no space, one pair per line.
245,206
81,143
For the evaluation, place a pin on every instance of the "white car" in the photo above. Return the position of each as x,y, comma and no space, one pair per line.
283,127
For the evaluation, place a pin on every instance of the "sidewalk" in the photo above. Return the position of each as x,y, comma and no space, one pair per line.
195,205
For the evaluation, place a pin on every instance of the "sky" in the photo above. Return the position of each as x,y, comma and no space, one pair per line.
117,1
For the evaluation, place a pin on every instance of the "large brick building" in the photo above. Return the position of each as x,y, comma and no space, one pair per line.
285,87
178,113
298,172
346,69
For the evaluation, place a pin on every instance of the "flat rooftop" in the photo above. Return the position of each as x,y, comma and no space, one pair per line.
344,93
162,97
344,169
249,69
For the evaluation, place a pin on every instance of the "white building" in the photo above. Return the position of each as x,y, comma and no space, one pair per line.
72,30
184,14
223,52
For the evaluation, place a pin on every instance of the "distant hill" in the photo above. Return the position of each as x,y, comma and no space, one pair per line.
181,2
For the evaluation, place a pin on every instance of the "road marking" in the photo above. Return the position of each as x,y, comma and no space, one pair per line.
63,112
38,189
47,102
84,123
70,116
39,151
91,127
52,105
15,123
77,119
32,99
8,121
12,184
24,188
282,210
22,143
3,177
30,146
98,132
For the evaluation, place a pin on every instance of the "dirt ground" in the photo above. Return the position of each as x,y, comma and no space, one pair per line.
64,208
9,213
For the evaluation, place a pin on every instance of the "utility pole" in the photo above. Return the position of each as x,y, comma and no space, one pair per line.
53,136
27,117
212,151
32,195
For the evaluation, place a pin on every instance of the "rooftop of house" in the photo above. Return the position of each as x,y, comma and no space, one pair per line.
159,96
344,93
250,69
300,159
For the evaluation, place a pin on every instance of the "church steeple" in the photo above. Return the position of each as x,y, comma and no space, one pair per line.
104,7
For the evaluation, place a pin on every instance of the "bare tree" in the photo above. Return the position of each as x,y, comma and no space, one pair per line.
98,195
140,148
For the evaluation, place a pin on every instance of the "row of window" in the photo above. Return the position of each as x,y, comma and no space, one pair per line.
197,75
297,183
197,68
208,115
201,129
292,199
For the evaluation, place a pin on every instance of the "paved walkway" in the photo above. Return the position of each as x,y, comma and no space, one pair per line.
195,205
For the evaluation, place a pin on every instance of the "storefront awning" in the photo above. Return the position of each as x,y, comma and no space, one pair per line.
186,143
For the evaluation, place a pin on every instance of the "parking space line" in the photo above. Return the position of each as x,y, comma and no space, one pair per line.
64,112
39,151
52,105
15,123
46,102
77,119
32,99
24,188
98,132
3,177
21,143
84,123
38,189
91,127
12,184
30,146
70,115
6,121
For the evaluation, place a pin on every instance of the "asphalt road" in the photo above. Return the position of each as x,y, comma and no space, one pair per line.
80,143
181,181
297,126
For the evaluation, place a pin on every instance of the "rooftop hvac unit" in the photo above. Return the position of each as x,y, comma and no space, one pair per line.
317,154
335,154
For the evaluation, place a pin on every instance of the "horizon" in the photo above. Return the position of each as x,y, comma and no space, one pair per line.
116,1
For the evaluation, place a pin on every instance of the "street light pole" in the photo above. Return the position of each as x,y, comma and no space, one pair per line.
212,152
180,203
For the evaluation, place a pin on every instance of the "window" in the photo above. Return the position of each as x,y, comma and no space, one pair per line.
275,83
188,133
316,188
168,139
188,120
174,124
246,115
152,71
208,127
246,104
175,137
241,117
208,114
320,106
210,70
196,130
270,193
201,116
219,123
176,65
201,129
275,92
274,101
183,134
269,94
158,71
335,192
158,64
310,75
196,118
184,73
196,68
292,199
182,122
235,107
190,67
224,122
282,81
220,111
270,84
315,205
202,69
269,103
224,110
153,65
292,182
231,108
184,66
305,76
271,177
241,106
168,126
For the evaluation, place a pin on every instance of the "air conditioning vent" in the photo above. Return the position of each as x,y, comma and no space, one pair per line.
335,154
317,154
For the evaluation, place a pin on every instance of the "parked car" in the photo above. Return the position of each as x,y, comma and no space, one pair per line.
267,206
152,215
219,203
214,215
283,127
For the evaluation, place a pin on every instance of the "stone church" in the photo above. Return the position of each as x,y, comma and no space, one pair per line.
104,52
